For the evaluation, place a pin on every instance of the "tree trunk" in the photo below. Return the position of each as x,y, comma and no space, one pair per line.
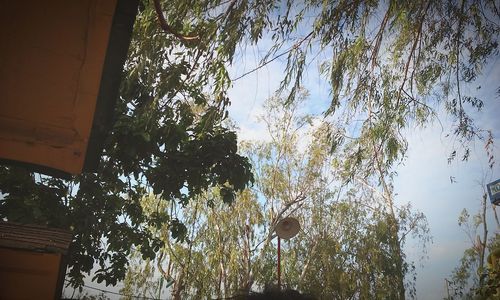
178,286
482,244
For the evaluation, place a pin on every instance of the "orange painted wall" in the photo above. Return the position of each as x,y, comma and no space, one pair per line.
51,60
28,275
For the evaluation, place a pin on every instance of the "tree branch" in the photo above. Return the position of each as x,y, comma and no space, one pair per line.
164,25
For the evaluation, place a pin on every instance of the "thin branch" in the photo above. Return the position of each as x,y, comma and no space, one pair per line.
379,36
164,25
493,206
412,51
306,266
459,35
412,226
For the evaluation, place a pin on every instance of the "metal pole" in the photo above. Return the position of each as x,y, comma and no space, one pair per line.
279,263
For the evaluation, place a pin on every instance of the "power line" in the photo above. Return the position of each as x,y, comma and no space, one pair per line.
265,63
115,293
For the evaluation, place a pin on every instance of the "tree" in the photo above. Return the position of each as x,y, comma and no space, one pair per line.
387,73
316,186
167,138
392,65
392,62
344,251
476,277
143,153
491,281
141,281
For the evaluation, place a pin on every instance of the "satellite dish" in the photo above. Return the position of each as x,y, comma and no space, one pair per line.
287,228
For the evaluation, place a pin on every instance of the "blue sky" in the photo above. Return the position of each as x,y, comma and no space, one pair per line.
423,177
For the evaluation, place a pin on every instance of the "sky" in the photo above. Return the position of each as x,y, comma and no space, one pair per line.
423,177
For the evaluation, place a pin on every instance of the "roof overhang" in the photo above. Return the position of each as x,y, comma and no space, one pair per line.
32,261
61,64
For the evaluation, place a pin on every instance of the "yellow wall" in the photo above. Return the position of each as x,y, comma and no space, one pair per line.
51,59
28,275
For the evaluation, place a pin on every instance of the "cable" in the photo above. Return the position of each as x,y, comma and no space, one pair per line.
115,293
265,63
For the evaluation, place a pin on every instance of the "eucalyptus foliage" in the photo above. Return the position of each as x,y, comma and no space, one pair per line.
392,64
167,139
478,273
347,247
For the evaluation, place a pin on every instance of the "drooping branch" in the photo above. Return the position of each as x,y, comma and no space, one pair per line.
412,51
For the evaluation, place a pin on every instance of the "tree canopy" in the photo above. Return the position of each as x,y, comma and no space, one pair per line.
393,63
347,248
478,273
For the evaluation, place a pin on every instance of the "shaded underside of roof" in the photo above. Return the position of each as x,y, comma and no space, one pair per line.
34,237
59,81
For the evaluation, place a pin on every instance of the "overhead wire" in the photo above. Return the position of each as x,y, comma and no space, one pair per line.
115,293
265,63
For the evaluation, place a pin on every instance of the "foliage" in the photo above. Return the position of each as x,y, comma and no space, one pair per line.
140,282
345,250
491,287
477,276
105,205
392,64
87,296
167,138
